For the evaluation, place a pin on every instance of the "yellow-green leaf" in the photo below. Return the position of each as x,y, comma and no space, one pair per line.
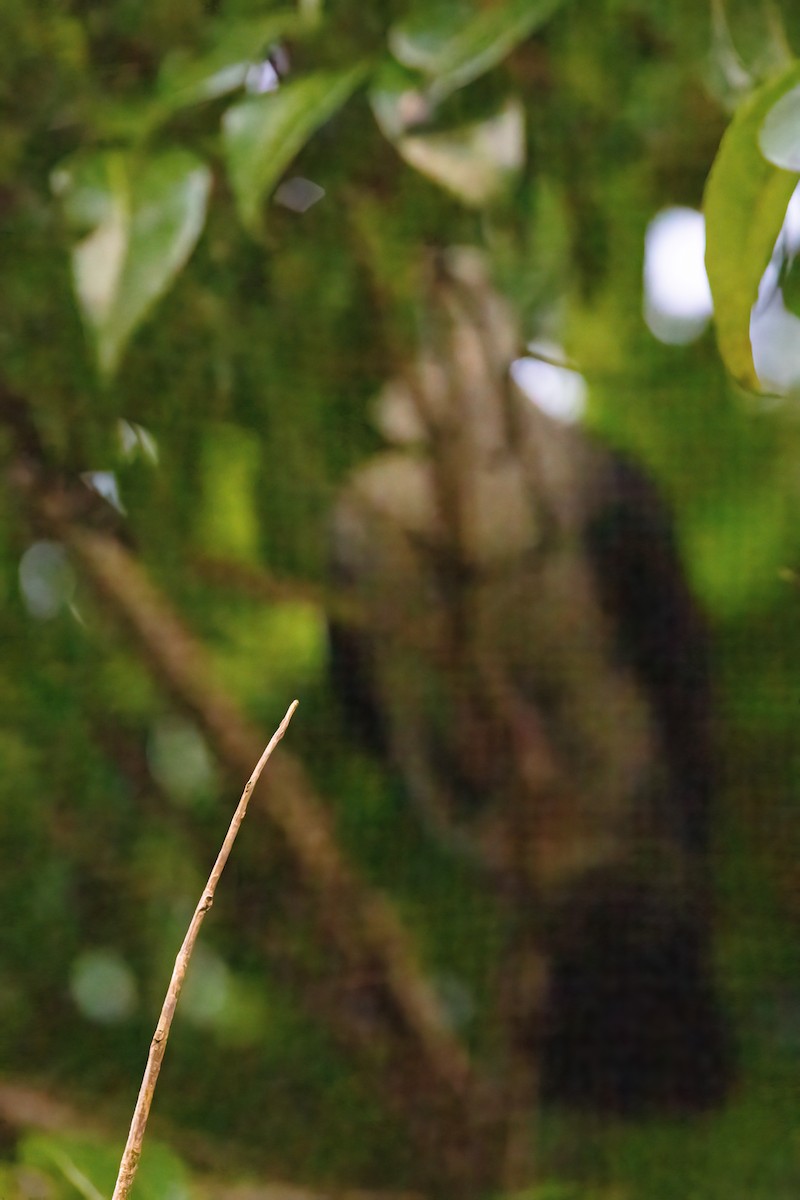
745,203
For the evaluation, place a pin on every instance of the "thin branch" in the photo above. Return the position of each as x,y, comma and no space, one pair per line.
133,1147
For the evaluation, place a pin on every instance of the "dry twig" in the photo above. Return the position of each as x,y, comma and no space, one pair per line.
133,1147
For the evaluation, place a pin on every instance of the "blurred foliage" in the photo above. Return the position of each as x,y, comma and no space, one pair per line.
62,1167
212,219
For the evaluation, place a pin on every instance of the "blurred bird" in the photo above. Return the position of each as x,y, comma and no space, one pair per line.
529,656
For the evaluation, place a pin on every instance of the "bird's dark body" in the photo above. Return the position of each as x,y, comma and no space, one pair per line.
635,1022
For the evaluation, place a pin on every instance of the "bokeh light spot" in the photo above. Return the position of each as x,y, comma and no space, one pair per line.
179,760
103,986
556,389
46,579
677,297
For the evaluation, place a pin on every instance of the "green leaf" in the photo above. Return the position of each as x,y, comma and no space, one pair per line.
263,134
142,218
183,80
745,203
453,43
478,161
475,160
